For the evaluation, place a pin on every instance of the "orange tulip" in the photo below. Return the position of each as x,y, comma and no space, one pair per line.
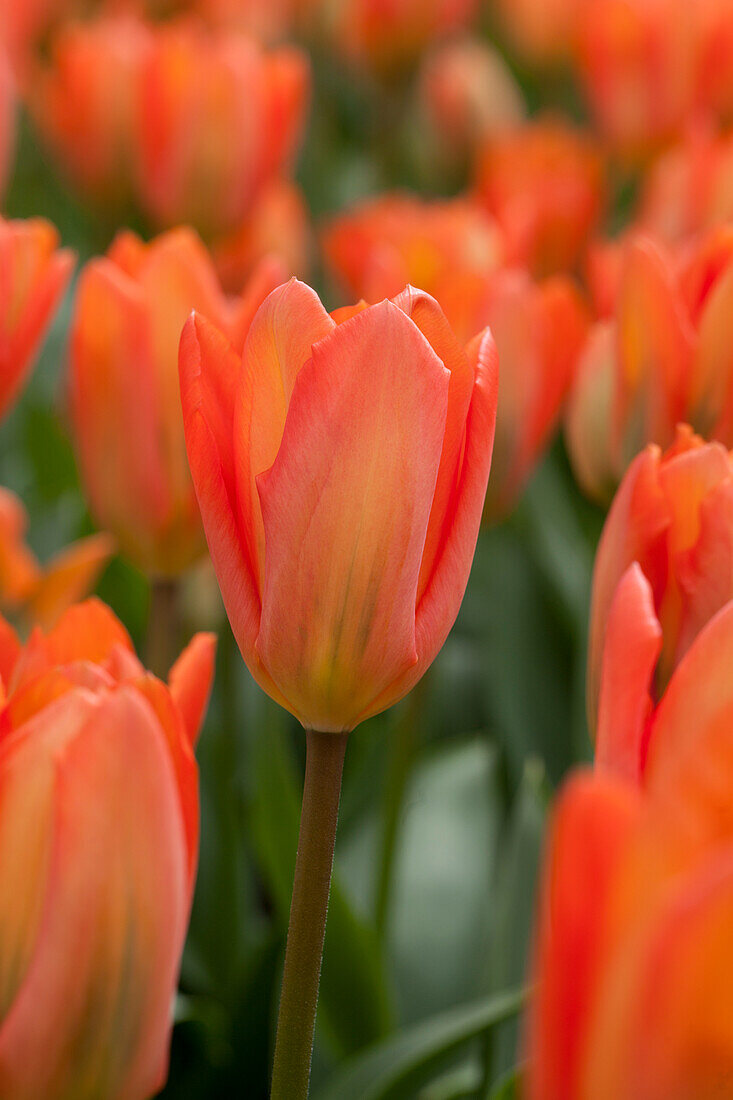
633,993
7,120
544,32
130,308
663,575
664,356
221,119
341,468
690,188
543,182
85,103
33,277
469,93
388,35
539,329
41,594
381,244
99,838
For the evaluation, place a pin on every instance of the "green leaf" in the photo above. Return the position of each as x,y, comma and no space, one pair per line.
399,1066
355,1004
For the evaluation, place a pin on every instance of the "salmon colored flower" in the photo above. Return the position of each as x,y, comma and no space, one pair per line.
33,276
382,244
36,593
543,182
539,329
663,356
663,575
221,119
85,101
390,36
689,188
469,93
544,32
633,972
99,843
130,308
341,468
7,121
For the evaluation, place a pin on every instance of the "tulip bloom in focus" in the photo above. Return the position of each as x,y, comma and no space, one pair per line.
130,308
633,974
663,578
98,852
539,329
33,276
664,356
543,182
221,119
40,594
382,244
341,468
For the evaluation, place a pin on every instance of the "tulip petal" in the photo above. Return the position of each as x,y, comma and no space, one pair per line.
588,421
92,1017
280,338
345,509
632,646
190,682
69,577
592,823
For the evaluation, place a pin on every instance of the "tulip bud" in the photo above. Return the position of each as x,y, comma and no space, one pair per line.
33,277
543,182
221,119
663,357
381,244
129,311
663,571
98,851
341,470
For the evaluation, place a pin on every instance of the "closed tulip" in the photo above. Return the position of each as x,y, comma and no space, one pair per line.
544,32
221,119
34,273
341,466
689,189
98,843
663,356
129,311
633,972
543,183
663,576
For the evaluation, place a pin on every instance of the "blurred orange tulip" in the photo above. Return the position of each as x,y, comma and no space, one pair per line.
99,841
389,35
341,469
689,189
40,594
85,101
130,308
539,329
7,121
633,991
663,574
542,31
381,244
33,276
543,182
468,93
664,356
221,119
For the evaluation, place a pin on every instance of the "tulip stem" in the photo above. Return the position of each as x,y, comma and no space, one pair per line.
324,764
161,647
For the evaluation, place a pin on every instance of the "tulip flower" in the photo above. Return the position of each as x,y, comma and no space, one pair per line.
543,32
469,93
341,466
543,183
98,843
381,244
41,594
129,311
539,329
7,121
389,37
633,986
85,101
662,357
663,576
221,119
33,276
689,188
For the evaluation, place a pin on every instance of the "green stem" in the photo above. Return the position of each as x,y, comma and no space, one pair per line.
164,627
324,764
